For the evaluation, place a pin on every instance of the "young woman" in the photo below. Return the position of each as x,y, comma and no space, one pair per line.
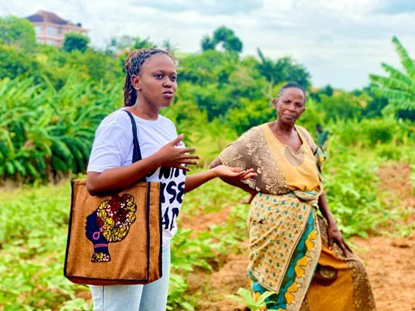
150,85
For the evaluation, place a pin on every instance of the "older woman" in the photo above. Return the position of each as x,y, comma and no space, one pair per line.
299,256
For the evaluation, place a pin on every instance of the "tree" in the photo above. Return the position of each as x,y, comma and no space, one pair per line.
398,87
343,105
375,104
250,114
233,44
17,31
224,35
207,43
285,69
143,43
128,42
208,67
96,66
75,42
14,62
328,90
218,81
169,46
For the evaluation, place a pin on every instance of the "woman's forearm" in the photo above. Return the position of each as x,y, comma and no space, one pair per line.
324,208
232,175
196,180
122,177
240,185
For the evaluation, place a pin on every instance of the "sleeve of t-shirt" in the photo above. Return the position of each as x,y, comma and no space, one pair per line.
110,148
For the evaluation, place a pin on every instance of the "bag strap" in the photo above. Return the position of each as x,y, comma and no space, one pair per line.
136,145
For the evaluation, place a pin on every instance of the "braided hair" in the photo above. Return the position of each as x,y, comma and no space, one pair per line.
292,85
133,64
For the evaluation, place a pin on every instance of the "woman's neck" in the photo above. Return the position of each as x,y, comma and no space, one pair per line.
281,128
146,112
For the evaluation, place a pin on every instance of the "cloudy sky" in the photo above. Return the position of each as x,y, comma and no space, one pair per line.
339,41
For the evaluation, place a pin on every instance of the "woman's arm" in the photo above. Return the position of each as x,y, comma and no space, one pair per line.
324,208
233,181
334,234
123,177
222,171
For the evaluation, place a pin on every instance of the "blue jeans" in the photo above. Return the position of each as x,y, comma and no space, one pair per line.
150,297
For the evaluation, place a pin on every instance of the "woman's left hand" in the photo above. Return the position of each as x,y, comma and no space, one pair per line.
237,173
335,236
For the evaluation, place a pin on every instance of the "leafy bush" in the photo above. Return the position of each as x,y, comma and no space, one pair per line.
47,132
341,105
75,42
371,132
389,152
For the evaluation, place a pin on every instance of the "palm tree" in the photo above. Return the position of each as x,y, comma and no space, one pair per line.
399,86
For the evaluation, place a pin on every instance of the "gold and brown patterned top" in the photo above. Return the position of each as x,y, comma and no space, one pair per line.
280,169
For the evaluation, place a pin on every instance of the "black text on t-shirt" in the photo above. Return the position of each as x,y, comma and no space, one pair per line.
171,194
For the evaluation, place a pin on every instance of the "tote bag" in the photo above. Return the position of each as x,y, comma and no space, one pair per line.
115,239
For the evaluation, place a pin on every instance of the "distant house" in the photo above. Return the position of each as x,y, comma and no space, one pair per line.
50,28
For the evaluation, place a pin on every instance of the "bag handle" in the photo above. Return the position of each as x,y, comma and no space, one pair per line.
136,145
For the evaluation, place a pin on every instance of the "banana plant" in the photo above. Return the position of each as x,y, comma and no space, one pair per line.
44,131
399,86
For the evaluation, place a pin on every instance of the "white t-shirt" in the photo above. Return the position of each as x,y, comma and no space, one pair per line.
113,147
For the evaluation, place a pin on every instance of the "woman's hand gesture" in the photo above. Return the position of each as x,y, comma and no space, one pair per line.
236,173
171,155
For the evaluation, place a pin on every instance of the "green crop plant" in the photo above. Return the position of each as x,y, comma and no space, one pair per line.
45,132
245,297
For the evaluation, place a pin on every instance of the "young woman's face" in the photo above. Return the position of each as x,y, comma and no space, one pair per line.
290,105
157,80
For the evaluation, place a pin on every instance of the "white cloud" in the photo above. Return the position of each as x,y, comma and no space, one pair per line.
203,7
395,7
339,41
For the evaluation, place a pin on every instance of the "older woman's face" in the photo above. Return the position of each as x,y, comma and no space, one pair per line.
290,105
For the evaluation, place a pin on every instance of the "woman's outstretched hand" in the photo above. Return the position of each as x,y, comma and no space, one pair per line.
173,156
236,173
335,236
